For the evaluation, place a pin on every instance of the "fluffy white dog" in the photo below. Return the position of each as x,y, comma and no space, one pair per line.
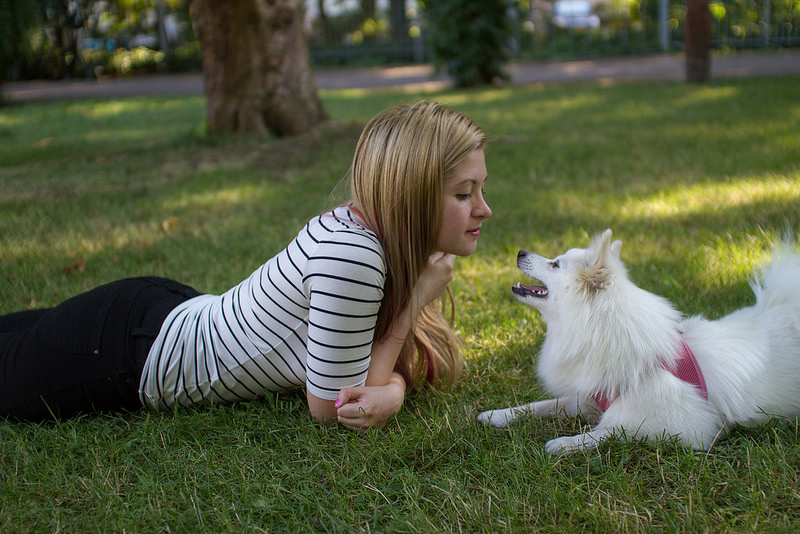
627,360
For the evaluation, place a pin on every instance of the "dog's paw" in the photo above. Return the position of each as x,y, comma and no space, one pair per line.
498,418
494,418
570,444
501,418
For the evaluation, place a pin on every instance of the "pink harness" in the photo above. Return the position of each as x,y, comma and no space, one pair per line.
686,369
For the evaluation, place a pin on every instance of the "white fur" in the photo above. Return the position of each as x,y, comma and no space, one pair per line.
605,335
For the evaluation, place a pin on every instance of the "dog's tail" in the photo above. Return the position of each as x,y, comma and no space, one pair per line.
778,283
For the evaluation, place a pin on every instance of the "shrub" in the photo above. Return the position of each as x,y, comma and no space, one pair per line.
470,38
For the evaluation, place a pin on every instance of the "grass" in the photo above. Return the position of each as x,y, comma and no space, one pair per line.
698,182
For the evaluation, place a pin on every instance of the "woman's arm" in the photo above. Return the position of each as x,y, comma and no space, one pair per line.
373,404
363,407
431,284
383,394
370,406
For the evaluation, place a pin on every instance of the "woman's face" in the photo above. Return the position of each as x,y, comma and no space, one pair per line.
464,207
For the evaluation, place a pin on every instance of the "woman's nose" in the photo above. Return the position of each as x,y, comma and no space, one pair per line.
483,210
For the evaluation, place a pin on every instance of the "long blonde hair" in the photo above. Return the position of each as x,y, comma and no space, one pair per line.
397,179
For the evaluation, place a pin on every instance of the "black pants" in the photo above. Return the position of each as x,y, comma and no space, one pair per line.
87,353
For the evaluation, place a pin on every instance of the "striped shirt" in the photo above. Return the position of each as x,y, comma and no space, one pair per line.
304,318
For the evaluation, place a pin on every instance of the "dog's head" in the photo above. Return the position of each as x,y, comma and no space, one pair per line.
577,275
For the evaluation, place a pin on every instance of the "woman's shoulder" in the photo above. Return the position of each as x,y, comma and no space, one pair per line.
341,225
341,241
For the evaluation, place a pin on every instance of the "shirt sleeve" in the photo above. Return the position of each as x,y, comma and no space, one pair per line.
344,282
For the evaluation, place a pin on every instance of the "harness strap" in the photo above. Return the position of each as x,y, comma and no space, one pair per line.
686,369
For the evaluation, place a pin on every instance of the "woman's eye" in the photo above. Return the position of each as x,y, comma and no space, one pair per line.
464,196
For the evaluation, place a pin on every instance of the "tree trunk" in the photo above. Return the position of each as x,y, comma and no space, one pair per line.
697,40
256,67
368,9
399,23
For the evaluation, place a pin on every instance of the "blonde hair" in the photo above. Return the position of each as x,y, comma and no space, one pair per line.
397,179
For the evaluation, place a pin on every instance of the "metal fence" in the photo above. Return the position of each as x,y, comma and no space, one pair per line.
393,31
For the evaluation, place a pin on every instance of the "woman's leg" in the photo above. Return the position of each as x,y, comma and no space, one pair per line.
87,353
14,322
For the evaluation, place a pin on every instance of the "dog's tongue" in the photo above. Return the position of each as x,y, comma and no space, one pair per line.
536,291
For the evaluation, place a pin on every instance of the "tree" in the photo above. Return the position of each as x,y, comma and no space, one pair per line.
256,67
399,24
697,41
469,37
17,19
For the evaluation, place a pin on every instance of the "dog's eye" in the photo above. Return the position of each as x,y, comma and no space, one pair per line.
554,264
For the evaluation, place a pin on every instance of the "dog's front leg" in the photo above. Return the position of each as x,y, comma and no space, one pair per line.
586,441
571,406
560,407
501,418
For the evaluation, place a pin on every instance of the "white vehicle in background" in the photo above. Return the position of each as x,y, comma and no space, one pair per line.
574,14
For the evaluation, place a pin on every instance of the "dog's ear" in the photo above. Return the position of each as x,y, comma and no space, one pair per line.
600,248
594,277
616,247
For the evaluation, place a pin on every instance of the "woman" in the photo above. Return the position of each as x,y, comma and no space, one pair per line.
349,309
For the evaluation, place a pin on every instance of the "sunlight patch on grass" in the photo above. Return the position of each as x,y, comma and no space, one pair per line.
706,95
142,107
9,121
123,137
60,249
111,108
123,238
477,97
346,94
710,197
552,109
727,263
637,109
226,198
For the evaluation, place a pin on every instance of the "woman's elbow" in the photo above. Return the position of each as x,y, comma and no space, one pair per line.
321,409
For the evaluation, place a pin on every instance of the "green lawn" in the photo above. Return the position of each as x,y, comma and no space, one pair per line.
698,182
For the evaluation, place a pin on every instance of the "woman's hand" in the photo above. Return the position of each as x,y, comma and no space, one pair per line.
367,407
434,279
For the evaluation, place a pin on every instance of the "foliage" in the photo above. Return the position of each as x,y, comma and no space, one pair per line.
351,34
365,34
634,26
87,38
470,38
697,181
17,19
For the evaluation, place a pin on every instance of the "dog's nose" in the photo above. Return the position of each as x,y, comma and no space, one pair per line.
522,254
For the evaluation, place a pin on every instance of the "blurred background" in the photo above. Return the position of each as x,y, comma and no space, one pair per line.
85,39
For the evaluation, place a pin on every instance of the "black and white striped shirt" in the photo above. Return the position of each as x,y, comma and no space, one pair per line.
305,317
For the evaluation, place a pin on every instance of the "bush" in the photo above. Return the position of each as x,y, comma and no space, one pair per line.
17,20
470,38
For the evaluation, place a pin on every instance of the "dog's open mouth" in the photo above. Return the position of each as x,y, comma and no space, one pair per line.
529,291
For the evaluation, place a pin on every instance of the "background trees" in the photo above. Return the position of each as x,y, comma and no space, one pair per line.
697,39
472,39
17,18
256,67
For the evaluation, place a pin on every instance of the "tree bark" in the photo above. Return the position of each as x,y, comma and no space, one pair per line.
697,40
399,23
256,67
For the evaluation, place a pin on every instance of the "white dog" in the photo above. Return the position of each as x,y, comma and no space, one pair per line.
626,359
